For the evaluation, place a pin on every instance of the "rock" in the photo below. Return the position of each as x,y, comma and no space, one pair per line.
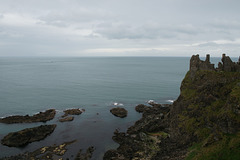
119,112
26,136
72,112
85,156
113,155
47,152
66,119
40,117
141,108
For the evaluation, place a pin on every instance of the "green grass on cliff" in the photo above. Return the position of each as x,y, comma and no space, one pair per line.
228,148
211,112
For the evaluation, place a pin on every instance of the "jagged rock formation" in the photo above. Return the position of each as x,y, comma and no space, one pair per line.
203,123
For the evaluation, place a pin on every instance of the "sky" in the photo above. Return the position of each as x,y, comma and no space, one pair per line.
119,27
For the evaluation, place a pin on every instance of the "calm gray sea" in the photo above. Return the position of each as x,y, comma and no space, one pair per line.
30,85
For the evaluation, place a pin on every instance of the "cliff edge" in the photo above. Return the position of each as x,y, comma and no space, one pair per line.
203,123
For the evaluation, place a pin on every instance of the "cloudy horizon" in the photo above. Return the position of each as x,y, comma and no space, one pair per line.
119,28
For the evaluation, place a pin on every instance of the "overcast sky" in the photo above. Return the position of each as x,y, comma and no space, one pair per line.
119,27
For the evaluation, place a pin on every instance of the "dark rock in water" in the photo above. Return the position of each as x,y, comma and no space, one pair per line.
85,156
119,112
23,137
72,112
141,108
113,155
47,152
66,119
40,117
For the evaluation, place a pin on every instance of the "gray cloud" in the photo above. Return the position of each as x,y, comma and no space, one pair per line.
75,28
145,31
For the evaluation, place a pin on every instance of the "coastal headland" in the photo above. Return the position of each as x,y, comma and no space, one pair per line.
203,123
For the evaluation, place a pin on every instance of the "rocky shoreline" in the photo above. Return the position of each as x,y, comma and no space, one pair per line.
28,135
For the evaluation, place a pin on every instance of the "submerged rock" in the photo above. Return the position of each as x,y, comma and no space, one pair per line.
74,111
40,117
47,152
66,119
85,156
28,135
119,112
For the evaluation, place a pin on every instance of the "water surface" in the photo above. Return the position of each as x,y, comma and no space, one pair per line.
30,85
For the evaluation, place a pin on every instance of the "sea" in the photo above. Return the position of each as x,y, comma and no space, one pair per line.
29,85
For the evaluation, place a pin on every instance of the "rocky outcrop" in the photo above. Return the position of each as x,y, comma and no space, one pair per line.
66,119
142,139
26,136
85,156
119,112
72,112
204,119
40,117
141,108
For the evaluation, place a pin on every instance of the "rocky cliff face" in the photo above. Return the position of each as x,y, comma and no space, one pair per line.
203,123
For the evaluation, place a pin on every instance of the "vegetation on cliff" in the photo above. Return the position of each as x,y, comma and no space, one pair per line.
203,123
211,114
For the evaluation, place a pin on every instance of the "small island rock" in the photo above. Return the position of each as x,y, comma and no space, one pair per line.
119,112
76,111
28,135
40,117
66,119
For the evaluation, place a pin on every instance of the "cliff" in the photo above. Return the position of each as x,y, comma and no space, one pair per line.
203,123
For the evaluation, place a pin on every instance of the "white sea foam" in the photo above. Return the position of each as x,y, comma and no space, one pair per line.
117,104
151,101
170,101
10,115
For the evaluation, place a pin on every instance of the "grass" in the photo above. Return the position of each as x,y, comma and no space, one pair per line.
205,118
160,134
228,148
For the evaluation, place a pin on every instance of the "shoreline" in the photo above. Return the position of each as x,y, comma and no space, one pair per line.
56,119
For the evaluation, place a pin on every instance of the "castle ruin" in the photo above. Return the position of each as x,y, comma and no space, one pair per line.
226,65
